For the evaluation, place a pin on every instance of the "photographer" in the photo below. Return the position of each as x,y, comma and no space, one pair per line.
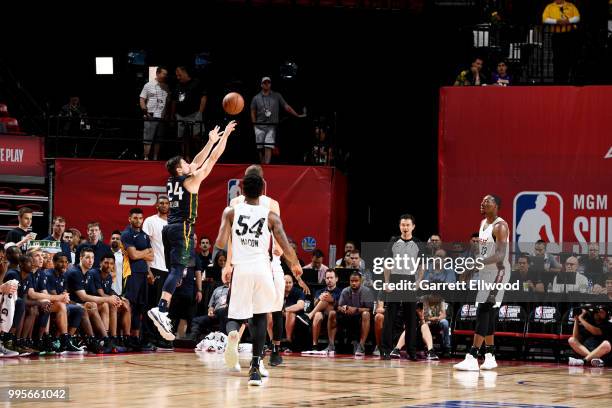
591,337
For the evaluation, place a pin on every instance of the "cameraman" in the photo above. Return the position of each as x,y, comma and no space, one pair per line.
591,337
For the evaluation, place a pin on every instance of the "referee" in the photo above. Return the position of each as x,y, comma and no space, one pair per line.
404,245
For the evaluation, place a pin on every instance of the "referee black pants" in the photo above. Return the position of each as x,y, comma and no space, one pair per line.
409,321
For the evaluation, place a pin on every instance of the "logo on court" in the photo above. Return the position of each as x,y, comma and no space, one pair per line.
309,244
537,215
233,189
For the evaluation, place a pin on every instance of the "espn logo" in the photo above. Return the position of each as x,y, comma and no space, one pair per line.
140,195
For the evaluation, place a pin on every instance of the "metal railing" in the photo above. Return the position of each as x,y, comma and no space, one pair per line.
528,49
122,138
115,137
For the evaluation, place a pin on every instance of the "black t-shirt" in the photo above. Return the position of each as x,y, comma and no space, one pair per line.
202,262
294,296
530,276
16,235
187,97
594,270
605,327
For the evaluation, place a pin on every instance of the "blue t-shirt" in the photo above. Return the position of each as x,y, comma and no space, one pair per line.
55,283
502,81
335,293
77,280
39,279
106,284
140,241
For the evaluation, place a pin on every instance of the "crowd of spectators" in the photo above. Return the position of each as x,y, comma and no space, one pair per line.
78,295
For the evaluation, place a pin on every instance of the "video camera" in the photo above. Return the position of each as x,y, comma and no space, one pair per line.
591,309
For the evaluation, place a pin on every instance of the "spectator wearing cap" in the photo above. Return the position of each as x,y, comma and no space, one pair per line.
265,117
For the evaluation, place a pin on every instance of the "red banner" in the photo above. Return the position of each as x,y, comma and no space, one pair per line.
546,151
105,190
22,156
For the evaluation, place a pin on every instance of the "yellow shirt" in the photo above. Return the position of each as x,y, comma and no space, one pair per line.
553,11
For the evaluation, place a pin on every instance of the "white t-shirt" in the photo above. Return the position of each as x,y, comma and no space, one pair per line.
153,226
118,282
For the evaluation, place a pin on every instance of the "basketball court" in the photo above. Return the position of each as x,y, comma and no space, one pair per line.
200,379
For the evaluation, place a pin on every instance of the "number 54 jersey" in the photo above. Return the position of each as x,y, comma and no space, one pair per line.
250,234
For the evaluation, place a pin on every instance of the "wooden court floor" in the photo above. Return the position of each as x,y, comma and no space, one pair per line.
187,379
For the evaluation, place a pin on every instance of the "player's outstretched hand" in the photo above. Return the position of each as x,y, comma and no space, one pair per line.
214,134
229,128
226,275
296,270
304,287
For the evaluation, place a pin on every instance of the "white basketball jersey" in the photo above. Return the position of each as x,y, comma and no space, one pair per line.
250,234
264,201
487,242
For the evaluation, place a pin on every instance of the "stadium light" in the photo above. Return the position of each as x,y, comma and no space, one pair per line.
104,65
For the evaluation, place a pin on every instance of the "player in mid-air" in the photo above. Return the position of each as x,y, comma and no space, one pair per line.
178,236
493,236
253,293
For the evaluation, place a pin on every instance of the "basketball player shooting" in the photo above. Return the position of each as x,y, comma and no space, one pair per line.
183,186
251,226
493,236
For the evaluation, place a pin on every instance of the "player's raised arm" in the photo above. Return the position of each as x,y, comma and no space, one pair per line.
198,160
202,172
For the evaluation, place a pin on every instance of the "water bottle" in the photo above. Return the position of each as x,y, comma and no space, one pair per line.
590,286
306,305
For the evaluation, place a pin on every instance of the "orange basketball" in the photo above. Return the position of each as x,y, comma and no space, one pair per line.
233,103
